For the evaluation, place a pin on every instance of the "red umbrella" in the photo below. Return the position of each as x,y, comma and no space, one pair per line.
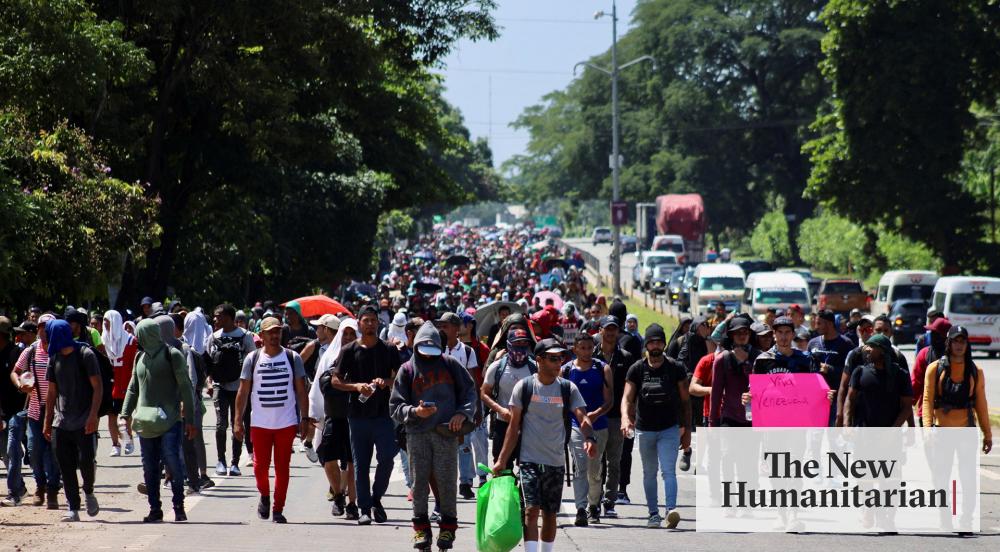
318,305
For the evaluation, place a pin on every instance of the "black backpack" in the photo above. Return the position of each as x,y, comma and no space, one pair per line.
298,344
107,376
951,395
565,389
225,361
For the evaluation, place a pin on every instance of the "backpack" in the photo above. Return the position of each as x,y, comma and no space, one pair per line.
565,389
107,377
495,391
950,395
298,344
225,359
200,370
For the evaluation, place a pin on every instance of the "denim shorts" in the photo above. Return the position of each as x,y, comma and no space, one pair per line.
542,486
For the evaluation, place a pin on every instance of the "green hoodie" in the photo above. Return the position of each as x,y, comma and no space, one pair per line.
160,378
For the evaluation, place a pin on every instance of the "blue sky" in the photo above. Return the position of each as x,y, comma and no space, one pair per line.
539,43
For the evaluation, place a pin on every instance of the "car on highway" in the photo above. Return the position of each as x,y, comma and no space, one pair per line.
811,280
679,290
842,296
974,303
659,283
715,282
907,317
903,284
642,272
629,243
779,290
750,266
602,234
670,242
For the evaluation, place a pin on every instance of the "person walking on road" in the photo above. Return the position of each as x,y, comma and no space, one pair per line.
880,392
227,351
71,405
472,449
273,380
656,408
498,385
541,407
367,369
434,396
618,452
937,336
955,389
121,349
594,380
158,387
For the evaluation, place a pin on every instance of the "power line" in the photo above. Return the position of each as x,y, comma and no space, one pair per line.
509,71
550,21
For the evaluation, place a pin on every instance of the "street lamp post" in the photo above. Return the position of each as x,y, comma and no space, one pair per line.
616,255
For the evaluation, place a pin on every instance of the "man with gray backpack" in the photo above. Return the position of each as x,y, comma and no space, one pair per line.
498,384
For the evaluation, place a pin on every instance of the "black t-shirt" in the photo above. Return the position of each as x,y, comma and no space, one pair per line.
75,396
631,344
657,396
362,365
11,400
619,361
879,391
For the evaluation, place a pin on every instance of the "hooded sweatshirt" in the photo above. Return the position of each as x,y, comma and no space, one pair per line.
160,378
439,379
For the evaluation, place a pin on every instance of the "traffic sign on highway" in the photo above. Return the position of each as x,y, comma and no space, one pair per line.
619,213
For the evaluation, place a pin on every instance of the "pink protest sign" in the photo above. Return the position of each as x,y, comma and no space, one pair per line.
789,400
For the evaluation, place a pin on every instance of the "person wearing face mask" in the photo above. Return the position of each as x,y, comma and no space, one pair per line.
434,396
498,384
731,375
938,331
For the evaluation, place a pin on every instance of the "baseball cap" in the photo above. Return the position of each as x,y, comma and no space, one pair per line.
269,324
794,307
518,334
939,326
956,331
27,327
449,318
609,321
783,321
737,323
328,320
760,328
146,301
549,345
5,325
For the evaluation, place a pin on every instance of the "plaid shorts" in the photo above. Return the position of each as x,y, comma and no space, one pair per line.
542,486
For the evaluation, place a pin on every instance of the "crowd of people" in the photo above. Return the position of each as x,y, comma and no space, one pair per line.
470,347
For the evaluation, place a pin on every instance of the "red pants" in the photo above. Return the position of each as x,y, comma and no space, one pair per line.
281,441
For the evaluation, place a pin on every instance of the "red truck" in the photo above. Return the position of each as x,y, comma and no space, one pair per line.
683,215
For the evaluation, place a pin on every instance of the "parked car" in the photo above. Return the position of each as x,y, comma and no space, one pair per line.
642,272
602,234
908,317
750,266
842,296
811,280
629,243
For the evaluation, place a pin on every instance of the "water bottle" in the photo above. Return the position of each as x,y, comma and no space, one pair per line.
748,413
362,398
161,413
27,378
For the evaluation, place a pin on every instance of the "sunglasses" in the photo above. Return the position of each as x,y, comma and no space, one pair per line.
552,357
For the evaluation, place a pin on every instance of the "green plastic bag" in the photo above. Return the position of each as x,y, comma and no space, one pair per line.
498,514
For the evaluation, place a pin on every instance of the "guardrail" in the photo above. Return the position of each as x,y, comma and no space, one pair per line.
592,262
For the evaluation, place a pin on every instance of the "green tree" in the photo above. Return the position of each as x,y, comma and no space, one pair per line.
833,243
769,238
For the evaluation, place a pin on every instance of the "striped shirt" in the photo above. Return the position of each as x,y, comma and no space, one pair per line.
42,384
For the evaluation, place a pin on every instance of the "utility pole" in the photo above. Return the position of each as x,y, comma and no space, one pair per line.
615,161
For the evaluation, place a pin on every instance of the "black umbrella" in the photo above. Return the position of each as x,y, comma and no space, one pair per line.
552,263
427,287
458,260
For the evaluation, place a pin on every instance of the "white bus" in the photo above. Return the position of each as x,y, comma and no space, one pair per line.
714,282
779,290
973,302
903,284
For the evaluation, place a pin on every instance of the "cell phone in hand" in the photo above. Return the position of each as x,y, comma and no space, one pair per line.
430,404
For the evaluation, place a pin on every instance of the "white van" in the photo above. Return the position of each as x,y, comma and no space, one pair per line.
903,284
779,290
973,302
714,282
673,243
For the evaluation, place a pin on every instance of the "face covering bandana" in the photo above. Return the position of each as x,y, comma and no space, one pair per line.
518,355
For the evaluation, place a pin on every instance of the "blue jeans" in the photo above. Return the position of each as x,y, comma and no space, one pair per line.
16,426
658,451
164,449
42,457
368,434
473,444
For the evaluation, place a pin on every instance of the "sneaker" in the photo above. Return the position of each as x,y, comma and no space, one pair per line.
365,519
39,498
409,495
609,509
422,539
623,499
446,539
206,482
673,518
685,463
155,516
311,453
179,514
141,487
52,499
337,509
14,499
378,512
92,506
581,517
654,521
249,463
264,507
192,491
71,516
351,512
115,451
220,468
594,514
129,447
465,490
278,517
234,471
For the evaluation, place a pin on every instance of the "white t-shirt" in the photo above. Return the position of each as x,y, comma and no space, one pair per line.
272,397
463,354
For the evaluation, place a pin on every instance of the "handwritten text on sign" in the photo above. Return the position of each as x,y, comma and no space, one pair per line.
789,400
